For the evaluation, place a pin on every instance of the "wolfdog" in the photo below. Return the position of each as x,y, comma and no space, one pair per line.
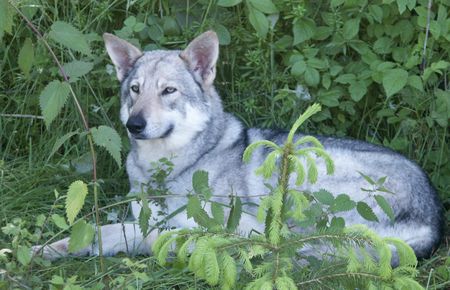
171,109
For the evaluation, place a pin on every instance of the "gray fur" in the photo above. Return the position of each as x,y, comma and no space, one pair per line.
204,137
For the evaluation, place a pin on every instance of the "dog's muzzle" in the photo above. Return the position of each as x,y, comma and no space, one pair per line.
136,124
136,127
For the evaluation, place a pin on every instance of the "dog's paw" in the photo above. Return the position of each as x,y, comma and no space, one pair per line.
53,251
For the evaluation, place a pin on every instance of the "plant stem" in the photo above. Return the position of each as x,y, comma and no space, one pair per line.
284,175
423,65
85,124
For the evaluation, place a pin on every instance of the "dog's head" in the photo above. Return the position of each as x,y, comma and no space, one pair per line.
166,94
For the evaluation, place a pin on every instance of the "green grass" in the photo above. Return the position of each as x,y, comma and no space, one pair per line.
249,79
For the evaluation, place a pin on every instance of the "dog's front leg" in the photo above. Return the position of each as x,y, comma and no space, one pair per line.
119,237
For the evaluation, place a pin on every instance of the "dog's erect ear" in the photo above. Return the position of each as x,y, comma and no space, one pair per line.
201,56
122,53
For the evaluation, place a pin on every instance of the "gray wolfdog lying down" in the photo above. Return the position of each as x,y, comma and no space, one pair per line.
171,109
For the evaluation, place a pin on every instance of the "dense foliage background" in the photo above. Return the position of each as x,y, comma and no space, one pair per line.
379,68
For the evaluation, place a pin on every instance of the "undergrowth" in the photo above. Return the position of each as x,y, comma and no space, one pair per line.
378,68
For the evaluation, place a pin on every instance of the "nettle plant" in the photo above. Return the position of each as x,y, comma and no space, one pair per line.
52,99
216,252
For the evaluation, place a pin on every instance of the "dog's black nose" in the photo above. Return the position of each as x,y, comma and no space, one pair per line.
136,124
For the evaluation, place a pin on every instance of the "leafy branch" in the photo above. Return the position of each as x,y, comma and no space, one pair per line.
216,254
52,100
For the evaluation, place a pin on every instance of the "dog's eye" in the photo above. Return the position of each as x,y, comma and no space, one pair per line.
135,88
169,90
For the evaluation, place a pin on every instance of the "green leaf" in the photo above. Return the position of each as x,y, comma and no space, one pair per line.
298,68
170,26
6,17
223,34
200,216
67,35
265,6
336,3
330,98
24,255
357,90
394,80
367,178
366,212
228,3
259,21
324,197
75,199
82,236
26,57
385,206
77,69
200,183
52,99
130,21
193,206
235,214
312,76
303,30
351,28
402,4
217,212
376,12
345,79
415,82
108,138
144,215
60,141
342,202
337,223
60,222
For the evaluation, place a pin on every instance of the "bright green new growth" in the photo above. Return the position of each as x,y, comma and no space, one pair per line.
218,255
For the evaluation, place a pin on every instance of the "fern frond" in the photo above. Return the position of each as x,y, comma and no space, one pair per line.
256,250
251,148
308,139
275,223
262,283
406,283
211,266
312,170
197,256
183,249
299,169
245,261
263,208
160,241
300,204
268,166
353,263
285,282
405,253
303,117
369,263
385,256
164,250
229,270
